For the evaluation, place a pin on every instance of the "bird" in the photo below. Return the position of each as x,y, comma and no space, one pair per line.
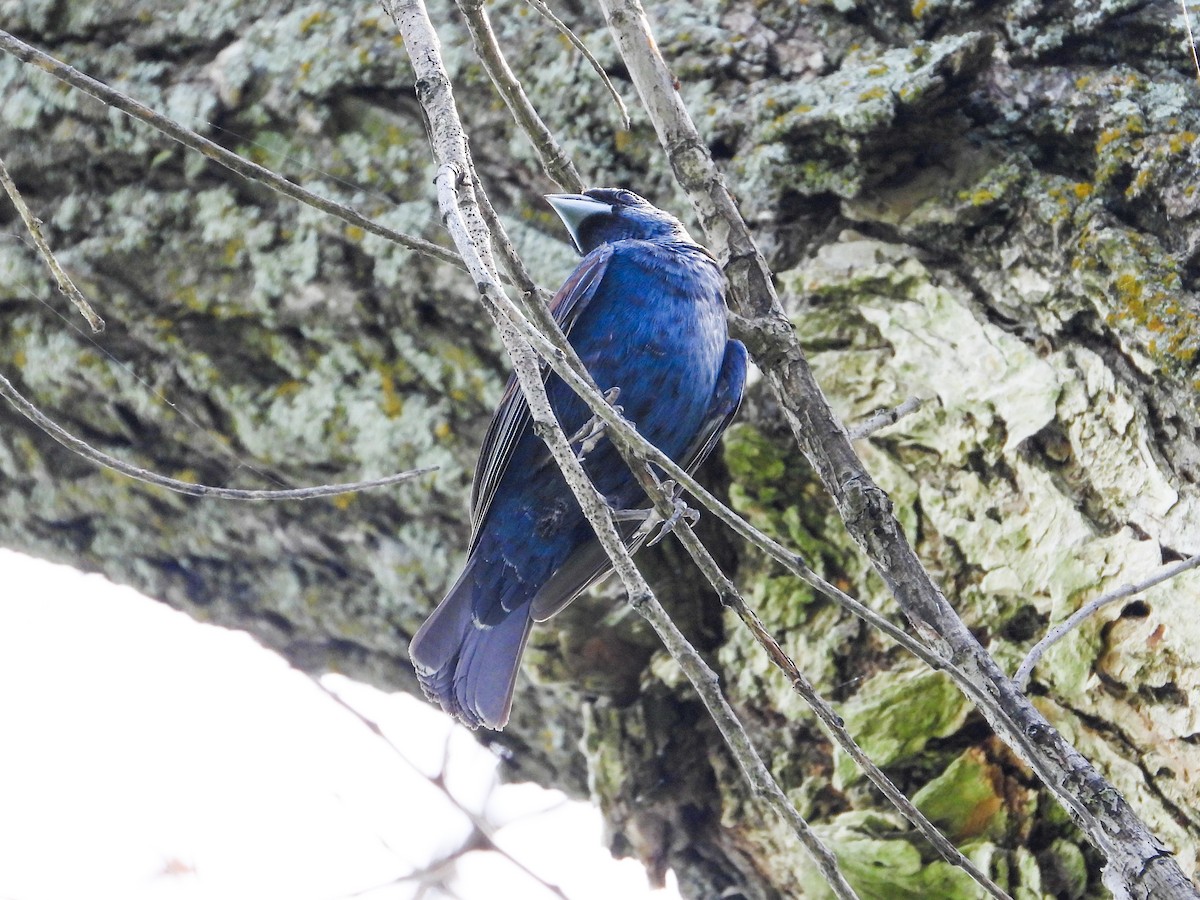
645,311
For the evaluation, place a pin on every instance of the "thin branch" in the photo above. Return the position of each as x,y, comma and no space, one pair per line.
34,226
86,450
553,157
884,418
1187,24
565,31
462,218
1136,860
534,298
478,822
1062,629
232,161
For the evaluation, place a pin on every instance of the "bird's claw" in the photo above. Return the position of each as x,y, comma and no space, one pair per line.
589,436
681,512
651,519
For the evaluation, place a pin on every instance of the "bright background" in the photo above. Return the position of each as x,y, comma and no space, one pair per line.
145,756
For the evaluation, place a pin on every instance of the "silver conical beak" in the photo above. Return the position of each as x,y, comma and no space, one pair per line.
575,209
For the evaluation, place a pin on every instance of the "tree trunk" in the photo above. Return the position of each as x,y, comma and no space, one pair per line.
990,206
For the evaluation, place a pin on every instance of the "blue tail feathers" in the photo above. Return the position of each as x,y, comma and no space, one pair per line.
469,668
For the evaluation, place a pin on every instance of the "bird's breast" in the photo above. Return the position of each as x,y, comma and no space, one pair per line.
656,329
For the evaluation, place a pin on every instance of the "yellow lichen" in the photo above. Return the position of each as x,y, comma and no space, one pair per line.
392,403
1107,137
310,22
1181,141
1129,289
1140,181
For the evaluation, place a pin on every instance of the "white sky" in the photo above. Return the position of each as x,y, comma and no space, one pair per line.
144,756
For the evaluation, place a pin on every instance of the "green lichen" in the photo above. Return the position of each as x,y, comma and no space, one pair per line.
884,868
895,714
774,488
966,801
818,136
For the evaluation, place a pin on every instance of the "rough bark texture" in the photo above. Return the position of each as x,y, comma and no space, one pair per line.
989,205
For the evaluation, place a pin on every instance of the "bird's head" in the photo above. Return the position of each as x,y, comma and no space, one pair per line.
604,215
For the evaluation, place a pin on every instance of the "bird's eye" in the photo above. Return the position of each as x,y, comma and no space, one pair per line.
626,198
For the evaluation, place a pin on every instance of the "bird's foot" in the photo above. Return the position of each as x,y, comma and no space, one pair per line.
631,515
589,436
651,520
681,512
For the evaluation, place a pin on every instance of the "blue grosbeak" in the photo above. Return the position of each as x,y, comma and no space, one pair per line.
645,312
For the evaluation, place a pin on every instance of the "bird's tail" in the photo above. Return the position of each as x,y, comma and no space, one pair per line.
470,668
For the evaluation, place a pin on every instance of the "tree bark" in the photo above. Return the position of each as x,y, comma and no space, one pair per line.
991,206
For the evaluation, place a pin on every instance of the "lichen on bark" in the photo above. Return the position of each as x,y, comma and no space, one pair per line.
991,206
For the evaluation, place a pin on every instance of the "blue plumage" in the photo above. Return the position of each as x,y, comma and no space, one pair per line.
645,312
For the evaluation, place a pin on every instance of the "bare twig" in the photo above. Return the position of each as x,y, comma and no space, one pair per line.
551,154
84,449
237,164
462,218
534,298
565,31
1089,609
481,825
34,227
550,343
1136,860
884,418
1187,24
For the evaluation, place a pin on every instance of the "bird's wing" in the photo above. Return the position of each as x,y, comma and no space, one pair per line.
726,399
512,418
583,568
590,563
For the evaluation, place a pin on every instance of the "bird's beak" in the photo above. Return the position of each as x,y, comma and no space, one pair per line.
574,210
